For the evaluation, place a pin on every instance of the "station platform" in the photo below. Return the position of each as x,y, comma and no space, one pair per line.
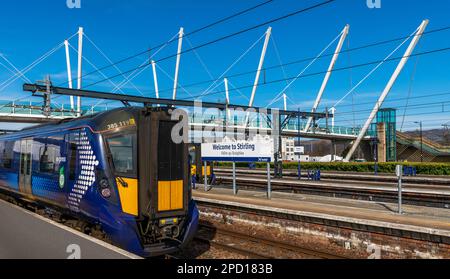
416,219
25,235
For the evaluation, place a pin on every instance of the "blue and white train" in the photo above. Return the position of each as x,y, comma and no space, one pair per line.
118,170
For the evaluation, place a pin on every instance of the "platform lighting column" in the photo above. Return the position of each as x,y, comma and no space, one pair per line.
388,88
421,139
177,66
299,135
69,73
269,184
375,154
80,67
234,179
399,173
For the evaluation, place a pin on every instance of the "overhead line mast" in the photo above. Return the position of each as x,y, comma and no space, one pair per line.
177,66
388,88
69,73
328,74
80,67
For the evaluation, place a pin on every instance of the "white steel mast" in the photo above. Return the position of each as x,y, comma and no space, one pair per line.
177,66
69,73
80,67
388,88
258,72
328,74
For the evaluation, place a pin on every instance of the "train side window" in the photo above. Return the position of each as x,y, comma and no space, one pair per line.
73,161
47,160
74,139
28,166
8,155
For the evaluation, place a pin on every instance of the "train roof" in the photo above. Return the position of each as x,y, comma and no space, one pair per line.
97,122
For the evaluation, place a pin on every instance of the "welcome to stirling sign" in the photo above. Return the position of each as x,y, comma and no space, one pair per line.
241,151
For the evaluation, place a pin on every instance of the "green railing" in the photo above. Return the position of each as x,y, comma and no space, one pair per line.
35,108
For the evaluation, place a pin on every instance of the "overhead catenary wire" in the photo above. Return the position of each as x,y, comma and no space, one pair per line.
12,71
17,71
373,70
421,105
415,115
303,71
200,60
445,49
239,91
185,35
214,85
303,10
136,73
283,70
411,82
111,62
25,70
95,67
298,61
401,99
171,78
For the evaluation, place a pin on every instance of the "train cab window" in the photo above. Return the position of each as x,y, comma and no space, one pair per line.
123,152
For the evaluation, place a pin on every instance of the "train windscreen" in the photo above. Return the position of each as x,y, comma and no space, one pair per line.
123,153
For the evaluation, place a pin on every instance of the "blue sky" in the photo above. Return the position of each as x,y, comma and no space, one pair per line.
29,28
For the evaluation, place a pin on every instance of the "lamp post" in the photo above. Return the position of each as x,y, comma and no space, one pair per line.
446,133
299,145
421,139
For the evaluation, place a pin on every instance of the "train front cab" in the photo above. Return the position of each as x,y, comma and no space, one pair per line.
153,182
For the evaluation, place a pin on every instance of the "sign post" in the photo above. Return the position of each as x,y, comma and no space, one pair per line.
399,173
299,151
205,176
239,151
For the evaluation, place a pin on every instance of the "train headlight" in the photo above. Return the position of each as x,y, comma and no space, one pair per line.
106,193
104,183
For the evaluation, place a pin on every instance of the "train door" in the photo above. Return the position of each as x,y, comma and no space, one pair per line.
25,166
170,170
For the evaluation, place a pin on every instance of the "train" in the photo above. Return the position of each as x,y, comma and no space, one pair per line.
118,170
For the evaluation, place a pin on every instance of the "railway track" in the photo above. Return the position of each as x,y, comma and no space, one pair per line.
252,246
349,176
414,194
